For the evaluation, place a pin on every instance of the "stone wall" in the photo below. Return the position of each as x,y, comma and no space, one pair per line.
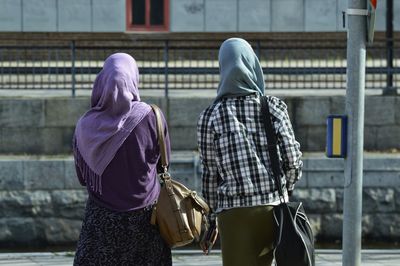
322,188
41,202
45,126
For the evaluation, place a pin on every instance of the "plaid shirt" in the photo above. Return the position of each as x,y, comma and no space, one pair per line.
233,148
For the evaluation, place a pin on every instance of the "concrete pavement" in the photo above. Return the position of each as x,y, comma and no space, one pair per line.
324,257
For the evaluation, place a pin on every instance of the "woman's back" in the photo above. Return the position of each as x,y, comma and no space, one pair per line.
116,154
237,177
241,150
130,180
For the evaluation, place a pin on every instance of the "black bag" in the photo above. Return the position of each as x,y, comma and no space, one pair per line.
294,244
295,241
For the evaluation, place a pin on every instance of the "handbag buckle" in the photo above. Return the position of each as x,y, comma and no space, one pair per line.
165,169
165,176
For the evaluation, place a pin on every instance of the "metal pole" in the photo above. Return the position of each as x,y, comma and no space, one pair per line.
352,207
389,49
73,55
166,92
166,58
258,51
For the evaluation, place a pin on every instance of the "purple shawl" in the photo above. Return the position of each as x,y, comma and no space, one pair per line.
115,111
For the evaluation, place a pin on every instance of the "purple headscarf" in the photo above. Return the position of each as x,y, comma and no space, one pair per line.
115,111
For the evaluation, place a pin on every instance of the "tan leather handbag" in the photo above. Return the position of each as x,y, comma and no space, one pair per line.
180,213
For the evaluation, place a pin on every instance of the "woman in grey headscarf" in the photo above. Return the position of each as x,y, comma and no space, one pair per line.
237,177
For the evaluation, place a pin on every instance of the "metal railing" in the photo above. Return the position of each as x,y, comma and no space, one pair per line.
192,64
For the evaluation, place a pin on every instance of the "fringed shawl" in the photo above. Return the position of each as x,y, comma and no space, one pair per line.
115,111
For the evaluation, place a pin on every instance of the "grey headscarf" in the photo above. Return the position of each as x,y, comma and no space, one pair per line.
240,71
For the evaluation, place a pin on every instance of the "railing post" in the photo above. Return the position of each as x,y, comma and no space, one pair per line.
166,58
73,55
389,90
258,51
196,170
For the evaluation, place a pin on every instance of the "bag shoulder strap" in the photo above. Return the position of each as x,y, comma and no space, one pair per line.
168,182
160,136
272,142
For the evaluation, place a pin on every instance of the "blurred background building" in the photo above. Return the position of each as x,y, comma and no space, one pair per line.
179,15
161,34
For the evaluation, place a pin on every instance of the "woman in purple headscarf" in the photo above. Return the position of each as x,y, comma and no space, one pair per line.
116,156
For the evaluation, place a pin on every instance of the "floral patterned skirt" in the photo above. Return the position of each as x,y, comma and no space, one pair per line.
115,238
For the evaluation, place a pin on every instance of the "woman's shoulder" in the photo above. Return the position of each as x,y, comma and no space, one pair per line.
277,107
208,113
151,116
276,103
145,130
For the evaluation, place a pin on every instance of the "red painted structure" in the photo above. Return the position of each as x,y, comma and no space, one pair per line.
147,27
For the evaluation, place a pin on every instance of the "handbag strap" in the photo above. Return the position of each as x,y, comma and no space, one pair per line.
168,183
161,138
272,143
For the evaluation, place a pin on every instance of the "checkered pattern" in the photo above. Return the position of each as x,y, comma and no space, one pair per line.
233,148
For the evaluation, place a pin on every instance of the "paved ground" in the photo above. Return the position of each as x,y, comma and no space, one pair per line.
195,258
